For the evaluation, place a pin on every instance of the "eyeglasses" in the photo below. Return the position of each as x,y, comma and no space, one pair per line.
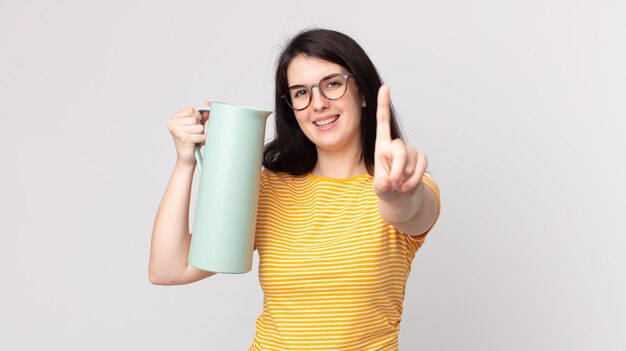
332,87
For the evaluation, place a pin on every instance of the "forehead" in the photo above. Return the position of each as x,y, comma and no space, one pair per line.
307,70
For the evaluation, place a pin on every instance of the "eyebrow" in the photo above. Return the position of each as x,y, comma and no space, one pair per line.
308,86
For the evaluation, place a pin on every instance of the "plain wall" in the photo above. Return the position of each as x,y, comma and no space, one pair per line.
519,105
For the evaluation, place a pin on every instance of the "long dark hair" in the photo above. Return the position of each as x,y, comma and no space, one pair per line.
291,151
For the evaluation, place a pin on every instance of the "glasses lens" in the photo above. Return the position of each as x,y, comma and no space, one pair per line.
334,86
299,97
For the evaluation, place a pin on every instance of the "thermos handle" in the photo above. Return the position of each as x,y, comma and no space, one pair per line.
197,147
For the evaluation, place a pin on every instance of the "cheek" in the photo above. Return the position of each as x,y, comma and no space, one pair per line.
300,119
355,103
355,110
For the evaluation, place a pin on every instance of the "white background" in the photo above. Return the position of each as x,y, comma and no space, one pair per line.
519,105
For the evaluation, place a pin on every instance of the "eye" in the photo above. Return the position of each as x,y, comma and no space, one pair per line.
334,83
300,93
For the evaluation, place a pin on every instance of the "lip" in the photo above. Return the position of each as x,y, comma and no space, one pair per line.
324,117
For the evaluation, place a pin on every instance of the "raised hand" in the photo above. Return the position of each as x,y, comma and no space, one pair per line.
398,167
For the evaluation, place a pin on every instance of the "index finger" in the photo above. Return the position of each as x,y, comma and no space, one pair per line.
383,115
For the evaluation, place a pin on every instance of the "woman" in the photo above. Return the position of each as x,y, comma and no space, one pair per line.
344,204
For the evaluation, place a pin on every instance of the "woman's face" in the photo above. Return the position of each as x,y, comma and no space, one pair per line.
332,125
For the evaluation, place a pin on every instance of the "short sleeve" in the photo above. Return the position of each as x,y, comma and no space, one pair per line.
263,180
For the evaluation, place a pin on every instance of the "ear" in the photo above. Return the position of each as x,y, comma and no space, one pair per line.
363,104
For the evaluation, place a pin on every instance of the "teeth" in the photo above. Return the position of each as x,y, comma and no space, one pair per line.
326,121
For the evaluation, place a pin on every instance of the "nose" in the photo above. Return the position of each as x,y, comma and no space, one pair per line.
317,100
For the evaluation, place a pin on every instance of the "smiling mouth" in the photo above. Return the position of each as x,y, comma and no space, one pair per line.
326,122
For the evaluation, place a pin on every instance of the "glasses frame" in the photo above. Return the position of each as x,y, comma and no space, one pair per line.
310,87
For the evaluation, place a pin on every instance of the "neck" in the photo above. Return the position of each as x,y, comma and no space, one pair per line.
339,165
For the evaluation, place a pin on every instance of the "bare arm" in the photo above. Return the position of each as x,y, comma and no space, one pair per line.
170,235
416,214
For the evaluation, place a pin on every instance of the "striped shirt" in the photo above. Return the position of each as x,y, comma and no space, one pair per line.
333,273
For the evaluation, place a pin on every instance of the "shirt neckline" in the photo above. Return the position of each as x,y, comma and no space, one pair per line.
337,180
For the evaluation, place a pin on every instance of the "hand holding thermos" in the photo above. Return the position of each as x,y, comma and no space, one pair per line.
228,187
187,129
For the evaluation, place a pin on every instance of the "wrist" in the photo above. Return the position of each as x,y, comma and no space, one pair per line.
182,164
